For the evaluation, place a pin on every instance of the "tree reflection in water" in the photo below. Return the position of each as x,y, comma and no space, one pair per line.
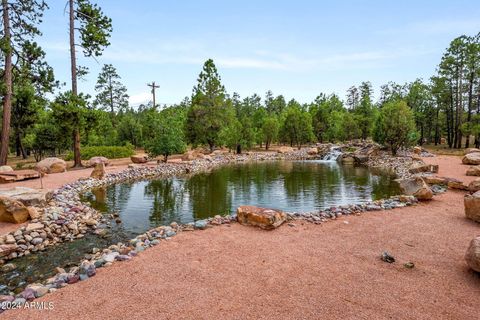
286,185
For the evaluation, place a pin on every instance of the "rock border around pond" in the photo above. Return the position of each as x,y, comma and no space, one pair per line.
66,210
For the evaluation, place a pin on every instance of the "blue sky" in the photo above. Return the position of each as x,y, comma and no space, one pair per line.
295,48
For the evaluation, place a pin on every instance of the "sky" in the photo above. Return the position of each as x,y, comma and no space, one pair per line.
296,48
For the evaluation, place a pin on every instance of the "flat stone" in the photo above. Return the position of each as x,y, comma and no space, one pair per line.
28,196
7,249
34,226
260,217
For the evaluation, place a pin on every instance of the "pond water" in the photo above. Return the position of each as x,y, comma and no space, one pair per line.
143,205
286,185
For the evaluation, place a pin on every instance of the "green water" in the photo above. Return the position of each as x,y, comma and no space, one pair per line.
287,185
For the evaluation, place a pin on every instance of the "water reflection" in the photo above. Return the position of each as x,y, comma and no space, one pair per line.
286,185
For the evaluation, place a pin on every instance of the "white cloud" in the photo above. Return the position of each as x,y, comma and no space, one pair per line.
139,98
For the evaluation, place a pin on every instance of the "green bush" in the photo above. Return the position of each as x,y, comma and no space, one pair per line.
110,152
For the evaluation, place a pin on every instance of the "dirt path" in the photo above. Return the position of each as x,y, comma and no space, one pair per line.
332,271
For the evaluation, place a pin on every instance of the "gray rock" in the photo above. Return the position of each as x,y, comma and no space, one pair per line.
200,224
386,257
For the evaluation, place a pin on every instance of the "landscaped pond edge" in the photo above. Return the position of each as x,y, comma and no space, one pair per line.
69,196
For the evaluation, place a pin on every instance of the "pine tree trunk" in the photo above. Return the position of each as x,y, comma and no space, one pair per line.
77,162
7,99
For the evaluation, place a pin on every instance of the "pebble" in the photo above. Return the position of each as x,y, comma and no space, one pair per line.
387,257
9,267
200,224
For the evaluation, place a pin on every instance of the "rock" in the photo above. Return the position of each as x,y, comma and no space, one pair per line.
7,249
51,165
98,171
122,257
9,239
386,257
360,158
39,290
470,150
28,294
87,268
456,184
139,159
110,257
12,211
200,224
471,158
409,265
33,213
312,151
419,167
416,187
436,180
474,185
96,160
472,257
346,159
417,150
260,217
194,155
9,267
472,206
5,168
284,149
36,241
34,226
28,196
473,171
91,222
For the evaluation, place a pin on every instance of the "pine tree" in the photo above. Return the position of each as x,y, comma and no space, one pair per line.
112,94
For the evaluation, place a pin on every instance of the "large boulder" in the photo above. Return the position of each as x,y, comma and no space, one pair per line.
473,171
12,211
471,158
472,257
472,206
94,160
474,185
195,155
470,150
260,217
5,169
285,149
98,171
347,159
417,150
28,196
139,159
51,165
416,187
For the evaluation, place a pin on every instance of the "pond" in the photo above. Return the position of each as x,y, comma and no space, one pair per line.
287,185
142,205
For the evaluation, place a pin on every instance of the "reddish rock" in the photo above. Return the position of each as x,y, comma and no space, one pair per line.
99,171
139,159
474,185
471,158
473,171
260,217
285,149
12,211
94,160
472,257
51,165
470,150
472,206
416,187
6,249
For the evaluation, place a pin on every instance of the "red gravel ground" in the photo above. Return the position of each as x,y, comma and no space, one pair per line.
331,271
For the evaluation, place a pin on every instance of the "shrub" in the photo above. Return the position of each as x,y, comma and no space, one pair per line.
110,152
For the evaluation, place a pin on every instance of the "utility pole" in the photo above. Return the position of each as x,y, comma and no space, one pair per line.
153,86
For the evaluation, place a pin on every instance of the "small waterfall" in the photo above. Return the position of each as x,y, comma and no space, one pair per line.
333,154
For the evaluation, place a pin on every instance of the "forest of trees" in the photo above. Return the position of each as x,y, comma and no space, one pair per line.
444,107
